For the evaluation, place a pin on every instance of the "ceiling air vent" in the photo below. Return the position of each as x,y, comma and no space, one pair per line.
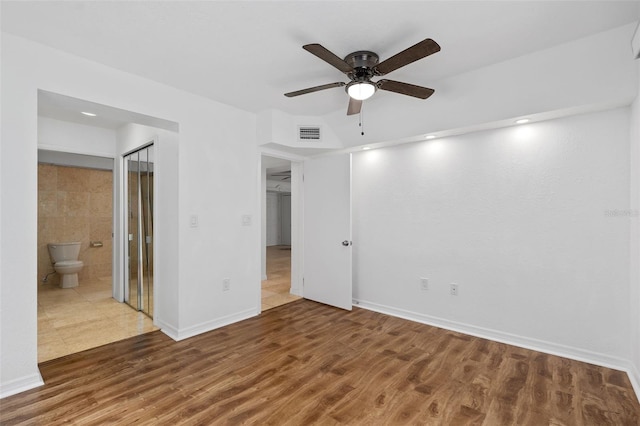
308,133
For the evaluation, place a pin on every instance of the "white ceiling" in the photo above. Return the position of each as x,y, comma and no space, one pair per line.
67,108
248,53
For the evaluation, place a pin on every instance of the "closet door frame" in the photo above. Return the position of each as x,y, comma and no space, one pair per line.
143,302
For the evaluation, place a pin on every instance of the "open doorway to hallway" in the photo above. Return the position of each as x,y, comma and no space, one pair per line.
276,284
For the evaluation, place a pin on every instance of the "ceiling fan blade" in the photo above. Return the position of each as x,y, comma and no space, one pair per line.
417,51
405,88
314,89
328,57
354,106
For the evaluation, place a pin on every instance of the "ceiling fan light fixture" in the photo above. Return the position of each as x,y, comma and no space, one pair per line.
361,90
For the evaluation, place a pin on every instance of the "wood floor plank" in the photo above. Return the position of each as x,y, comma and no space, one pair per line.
308,363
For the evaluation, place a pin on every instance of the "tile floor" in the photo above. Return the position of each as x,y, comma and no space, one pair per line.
275,289
75,319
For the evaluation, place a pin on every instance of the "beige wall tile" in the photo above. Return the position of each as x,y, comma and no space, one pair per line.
100,254
48,229
100,204
101,270
101,181
100,229
47,204
73,203
76,229
47,177
73,179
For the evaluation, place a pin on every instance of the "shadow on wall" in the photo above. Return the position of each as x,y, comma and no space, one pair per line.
75,204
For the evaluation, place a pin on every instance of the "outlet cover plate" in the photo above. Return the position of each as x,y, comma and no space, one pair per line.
424,284
454,289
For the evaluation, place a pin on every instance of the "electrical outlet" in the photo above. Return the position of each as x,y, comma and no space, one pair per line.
424,284
454,289
226,284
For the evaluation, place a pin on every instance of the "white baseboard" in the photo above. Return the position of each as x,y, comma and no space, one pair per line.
167,329
20,385
181,334
634,378
577,354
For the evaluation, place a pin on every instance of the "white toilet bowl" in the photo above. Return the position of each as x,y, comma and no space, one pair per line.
65,262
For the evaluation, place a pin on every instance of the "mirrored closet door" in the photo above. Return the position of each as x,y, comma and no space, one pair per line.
138,169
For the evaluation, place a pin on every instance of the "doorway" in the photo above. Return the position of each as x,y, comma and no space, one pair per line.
276,286
139,172
75,193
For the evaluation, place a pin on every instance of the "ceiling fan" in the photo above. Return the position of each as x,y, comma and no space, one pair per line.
285,175
362,66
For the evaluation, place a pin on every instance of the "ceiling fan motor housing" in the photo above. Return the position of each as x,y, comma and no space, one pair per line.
362,62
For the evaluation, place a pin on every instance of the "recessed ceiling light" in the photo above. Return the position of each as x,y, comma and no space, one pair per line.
366,148
90,114
522,121
430,137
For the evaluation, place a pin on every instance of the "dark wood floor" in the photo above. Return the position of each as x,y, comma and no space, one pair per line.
306,363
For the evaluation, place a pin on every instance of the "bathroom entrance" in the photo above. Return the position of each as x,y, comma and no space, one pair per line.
138,227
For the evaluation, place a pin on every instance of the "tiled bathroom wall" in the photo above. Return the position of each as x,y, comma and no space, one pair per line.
75,204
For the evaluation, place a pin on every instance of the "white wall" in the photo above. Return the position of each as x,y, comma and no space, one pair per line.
634,196
529,221
275,126
218,166
57,135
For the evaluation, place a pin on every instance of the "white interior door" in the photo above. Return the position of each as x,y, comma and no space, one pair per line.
327,230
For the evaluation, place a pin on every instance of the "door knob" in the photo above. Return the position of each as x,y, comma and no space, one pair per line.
346,243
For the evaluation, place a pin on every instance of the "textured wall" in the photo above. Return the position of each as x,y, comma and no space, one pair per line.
532,222
75,204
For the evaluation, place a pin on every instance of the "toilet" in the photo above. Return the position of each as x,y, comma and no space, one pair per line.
64,257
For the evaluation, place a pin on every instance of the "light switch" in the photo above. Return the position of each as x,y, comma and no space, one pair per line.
246,220
194,221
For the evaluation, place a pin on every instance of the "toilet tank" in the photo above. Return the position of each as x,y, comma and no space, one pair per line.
64,251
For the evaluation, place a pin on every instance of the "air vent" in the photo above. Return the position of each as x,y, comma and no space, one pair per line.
308,133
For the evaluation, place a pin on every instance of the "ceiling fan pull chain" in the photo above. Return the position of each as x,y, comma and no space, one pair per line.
361,124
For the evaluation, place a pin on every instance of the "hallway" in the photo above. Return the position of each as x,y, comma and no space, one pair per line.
275,289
